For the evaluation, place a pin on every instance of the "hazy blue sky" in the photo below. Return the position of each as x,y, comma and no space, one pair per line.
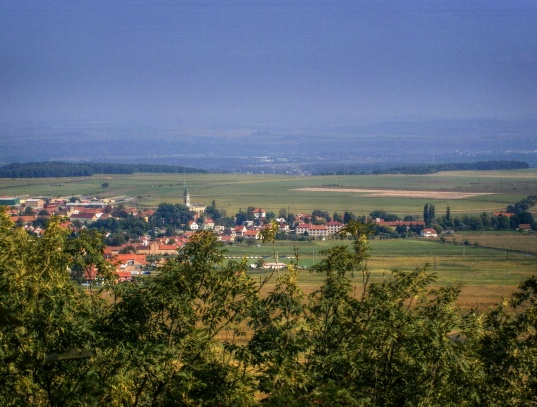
267,62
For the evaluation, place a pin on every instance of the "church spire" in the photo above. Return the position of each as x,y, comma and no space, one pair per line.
186,197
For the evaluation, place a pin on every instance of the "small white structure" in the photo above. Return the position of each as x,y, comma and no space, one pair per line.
428,233
274,266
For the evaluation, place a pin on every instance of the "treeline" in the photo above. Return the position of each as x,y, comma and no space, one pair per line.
514,216
522,205
62,169
202,332
434,168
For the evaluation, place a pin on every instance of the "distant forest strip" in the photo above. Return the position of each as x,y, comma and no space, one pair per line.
434,168
421,168
63,169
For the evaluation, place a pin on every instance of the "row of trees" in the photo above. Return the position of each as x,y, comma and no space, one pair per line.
63,169
360,169
516,214
477,166
522,205
201,334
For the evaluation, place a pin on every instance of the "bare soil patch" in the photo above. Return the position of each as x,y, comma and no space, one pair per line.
397,193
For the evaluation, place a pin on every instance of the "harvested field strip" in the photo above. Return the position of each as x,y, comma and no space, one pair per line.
396,193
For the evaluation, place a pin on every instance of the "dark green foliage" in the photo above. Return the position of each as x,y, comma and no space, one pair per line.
390,217
242,217
170,328
434,168
348,216
62,169
199,333
217,215
319,216
172,215
523,205
486,221
428,214
46,333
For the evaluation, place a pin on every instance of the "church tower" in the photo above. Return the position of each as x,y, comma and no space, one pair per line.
186,198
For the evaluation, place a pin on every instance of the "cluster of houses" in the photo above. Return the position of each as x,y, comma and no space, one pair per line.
83,213
77,214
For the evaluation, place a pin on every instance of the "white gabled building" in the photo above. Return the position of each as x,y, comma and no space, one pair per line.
208,224
301,228
331,228
313,230
334,227
259,213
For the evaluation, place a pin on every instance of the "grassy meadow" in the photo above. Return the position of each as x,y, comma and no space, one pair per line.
273,192
484,268
485,274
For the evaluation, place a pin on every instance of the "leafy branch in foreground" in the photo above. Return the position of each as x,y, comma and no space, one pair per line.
202,333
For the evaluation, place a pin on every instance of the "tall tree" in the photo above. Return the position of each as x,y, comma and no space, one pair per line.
428,214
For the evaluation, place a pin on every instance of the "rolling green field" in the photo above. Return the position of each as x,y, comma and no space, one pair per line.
485,274
484,268
273,192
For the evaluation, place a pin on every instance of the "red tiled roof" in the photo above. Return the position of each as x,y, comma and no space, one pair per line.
91,210
122,258
304,226
24,218
317,227
82,215
169,247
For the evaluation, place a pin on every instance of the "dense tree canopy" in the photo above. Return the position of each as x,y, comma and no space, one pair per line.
63,169
175,215
476,166
201,333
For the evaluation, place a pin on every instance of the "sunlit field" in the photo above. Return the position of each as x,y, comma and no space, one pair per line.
488,267
273,192
484,274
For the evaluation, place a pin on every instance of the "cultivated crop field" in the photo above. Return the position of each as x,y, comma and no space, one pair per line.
464,192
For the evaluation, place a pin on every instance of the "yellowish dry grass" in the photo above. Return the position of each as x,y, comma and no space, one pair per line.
520,241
